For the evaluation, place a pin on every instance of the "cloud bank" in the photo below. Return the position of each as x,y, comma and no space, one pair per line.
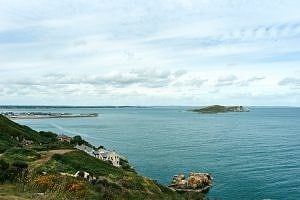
181,52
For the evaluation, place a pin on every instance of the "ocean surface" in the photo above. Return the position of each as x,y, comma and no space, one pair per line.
252,155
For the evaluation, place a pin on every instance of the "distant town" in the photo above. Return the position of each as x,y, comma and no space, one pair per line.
43,115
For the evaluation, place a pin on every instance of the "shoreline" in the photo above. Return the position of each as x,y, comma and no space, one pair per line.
46,115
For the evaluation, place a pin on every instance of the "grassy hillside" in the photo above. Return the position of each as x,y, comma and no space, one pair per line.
34,171
22,154
13,134
113,182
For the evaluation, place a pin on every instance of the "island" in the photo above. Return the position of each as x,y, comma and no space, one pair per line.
220,109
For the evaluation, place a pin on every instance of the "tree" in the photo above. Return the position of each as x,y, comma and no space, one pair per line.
77,140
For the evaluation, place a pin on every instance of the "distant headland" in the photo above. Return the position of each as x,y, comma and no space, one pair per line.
220,109
43,115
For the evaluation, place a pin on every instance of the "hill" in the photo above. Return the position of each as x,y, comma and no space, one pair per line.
32,170
15,135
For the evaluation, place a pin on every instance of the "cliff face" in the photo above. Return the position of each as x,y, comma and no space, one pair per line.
221,109
50,174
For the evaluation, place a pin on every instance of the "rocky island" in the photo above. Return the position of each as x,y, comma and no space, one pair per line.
221,109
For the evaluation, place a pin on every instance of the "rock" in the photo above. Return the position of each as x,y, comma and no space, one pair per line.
200,182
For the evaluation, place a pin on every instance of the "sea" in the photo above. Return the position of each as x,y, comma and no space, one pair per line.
251,155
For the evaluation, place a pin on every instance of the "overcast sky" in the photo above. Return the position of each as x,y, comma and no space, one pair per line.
167,52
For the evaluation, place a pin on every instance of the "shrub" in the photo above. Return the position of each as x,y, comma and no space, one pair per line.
77,140
4,166
20,165
71,186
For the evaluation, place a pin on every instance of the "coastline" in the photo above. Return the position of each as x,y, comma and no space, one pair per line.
46,115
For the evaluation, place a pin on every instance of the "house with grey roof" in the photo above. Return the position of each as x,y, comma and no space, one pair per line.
110,156
102,154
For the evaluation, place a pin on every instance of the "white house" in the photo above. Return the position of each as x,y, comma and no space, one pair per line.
102,154
106,155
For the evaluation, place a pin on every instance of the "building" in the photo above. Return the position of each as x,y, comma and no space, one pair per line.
64,138
102,154
27,142
110,156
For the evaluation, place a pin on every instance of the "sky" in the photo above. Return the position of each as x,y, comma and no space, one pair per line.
158,52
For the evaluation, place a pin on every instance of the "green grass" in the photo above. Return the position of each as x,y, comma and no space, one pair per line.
78,160
116,183
14,192
12,135
22,154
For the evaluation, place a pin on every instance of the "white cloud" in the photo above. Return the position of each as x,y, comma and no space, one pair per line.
144,52
293,82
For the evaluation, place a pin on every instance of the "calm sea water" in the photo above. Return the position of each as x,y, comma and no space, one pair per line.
253,155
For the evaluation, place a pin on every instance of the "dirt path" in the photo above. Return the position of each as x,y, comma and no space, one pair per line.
46,156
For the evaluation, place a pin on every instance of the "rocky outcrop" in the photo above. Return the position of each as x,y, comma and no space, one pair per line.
197,182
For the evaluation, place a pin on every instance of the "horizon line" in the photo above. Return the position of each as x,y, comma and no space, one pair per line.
116,106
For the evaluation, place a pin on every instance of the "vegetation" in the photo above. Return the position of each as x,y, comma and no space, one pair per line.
17,171
78,140
21,154
220,109
31,170
15,135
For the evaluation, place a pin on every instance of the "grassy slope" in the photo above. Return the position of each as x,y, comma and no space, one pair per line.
120,184
114,183
22,154
10,131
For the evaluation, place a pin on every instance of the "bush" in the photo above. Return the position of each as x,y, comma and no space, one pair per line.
77,140
72,187
16,172
48,137
125,165
4,166
20,165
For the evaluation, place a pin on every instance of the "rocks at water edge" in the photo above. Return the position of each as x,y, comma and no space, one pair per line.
196,182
